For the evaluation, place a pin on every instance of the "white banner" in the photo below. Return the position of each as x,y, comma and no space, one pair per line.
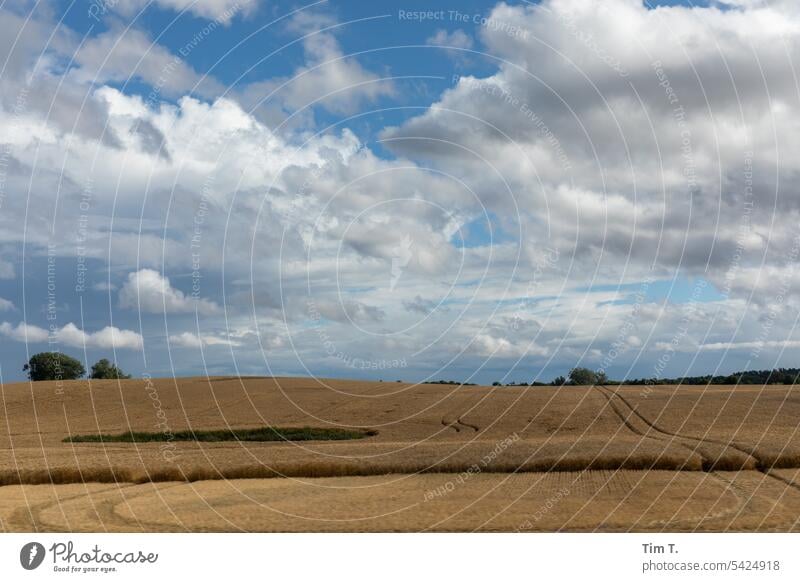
400,557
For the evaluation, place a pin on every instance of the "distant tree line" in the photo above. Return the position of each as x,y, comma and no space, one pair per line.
576,377
57,366
588,377
449,382
775,376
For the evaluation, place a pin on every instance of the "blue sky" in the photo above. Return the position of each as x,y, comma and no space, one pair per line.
497,190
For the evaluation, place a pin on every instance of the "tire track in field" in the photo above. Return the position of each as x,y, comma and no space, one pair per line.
29,518
108,513
451,424
743,498
454,416
474,427
760,465
709,464
643,432
459,424
104,509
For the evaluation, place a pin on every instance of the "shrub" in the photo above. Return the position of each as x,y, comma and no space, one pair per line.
53,366
265,434
586,377
105,370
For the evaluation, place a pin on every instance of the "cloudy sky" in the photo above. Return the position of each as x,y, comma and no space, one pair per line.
401,190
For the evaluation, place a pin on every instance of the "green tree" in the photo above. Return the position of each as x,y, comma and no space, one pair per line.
584,377
53,366
105,370
559,381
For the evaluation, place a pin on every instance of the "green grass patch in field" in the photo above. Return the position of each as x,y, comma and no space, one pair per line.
264,434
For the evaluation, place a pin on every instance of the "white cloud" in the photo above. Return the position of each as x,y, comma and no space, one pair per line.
490,346
24,332
757,345
457,39
578,120
6,305
347,310
147,290
220,10
340,83
190,340
122,54
109,337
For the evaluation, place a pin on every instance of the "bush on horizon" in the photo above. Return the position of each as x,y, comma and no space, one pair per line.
53,366
105,370
586,377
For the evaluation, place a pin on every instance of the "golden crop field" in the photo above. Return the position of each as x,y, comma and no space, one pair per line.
437,458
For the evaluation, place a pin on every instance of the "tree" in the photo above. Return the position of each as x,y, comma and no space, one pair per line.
584,377
105,370
53,366
559,381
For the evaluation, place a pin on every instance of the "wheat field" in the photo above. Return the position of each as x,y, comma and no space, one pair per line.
438,458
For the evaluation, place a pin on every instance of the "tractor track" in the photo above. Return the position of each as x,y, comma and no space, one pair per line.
30,517
743,499
760,465
453,424
467,424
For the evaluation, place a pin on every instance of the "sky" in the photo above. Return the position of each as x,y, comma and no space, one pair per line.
414,191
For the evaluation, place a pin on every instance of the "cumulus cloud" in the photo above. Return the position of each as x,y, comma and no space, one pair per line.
328,78
124,54
150,292
6,305
70,335
630,134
